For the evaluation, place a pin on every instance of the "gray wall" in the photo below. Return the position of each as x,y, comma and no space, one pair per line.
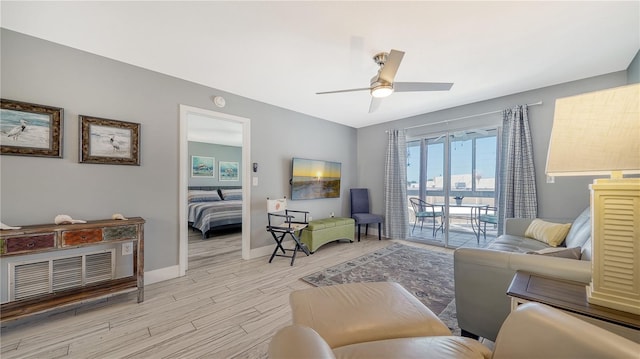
34,190
220,153
633,71
565,198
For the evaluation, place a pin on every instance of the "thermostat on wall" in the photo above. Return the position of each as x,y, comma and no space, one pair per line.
219,101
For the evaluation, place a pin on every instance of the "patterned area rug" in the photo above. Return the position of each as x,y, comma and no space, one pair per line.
426,274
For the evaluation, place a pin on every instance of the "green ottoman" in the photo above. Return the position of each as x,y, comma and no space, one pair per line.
322,231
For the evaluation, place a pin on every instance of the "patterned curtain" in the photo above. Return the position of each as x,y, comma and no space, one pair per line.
517,197
396,214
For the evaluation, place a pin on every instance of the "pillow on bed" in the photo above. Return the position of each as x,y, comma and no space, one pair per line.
231,194
203,196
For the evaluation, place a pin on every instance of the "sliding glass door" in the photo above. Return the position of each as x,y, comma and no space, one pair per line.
453,174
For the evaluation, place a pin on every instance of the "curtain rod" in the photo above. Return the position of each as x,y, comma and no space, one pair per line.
465,117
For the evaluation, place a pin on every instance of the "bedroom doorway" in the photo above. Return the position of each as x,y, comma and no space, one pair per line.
223,141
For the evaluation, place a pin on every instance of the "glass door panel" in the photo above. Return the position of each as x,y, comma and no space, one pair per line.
455,172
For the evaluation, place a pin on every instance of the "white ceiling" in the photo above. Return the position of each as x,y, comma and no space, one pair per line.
281,53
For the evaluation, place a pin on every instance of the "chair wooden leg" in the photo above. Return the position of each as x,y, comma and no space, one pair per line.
379,231
359,232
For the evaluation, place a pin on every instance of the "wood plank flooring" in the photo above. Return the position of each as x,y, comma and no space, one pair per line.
225,307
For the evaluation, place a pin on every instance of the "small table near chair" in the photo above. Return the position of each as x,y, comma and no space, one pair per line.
571,297
475,214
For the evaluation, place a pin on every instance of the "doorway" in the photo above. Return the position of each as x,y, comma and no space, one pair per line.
188,114
455,173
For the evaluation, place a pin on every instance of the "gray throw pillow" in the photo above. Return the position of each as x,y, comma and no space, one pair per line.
571,253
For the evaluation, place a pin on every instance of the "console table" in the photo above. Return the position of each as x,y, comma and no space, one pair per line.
571,297
51,266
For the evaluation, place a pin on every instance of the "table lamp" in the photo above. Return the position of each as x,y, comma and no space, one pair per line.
598,133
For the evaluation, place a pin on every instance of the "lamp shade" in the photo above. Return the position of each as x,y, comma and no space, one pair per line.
596,133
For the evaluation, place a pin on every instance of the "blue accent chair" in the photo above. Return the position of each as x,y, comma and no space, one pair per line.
361,211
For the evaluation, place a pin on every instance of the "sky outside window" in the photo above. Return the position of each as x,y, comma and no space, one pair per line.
461,159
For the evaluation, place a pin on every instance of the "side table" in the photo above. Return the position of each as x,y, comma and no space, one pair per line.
571,297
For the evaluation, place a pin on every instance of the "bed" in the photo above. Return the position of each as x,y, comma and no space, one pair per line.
211,208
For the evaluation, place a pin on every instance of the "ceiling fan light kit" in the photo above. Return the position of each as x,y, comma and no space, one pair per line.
382,84
381,91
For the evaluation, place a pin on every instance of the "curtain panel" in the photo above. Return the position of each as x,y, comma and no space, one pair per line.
396,215
517,197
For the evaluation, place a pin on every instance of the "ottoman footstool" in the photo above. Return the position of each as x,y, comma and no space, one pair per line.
323,231
362,312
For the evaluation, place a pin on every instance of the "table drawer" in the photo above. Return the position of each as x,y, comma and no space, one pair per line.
30,243
123,232
72,238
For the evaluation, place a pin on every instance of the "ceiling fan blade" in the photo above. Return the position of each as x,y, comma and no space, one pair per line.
421,86
388,72
339,91
375,103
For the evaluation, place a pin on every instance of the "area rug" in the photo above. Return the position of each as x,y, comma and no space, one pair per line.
428,275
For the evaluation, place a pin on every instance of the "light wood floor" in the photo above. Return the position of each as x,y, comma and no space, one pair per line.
225,307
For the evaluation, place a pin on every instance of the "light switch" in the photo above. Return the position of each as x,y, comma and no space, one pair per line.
255,181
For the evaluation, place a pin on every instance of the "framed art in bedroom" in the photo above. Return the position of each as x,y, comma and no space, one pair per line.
229,171
105,141
202,166
30,130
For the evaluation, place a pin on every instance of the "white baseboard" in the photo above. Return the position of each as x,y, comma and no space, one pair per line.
162,274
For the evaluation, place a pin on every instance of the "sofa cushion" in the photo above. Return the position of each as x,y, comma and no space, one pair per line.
551,233
580,231
562,252
510,243
329,223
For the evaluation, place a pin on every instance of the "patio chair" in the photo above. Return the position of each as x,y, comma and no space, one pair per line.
425,210
490,215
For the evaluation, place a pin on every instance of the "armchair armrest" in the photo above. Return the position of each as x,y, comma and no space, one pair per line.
296,341
557,335
306,213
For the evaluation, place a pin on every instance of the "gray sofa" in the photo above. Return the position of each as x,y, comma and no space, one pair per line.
482,276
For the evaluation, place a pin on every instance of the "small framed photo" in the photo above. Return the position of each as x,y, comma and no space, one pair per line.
28,129
203,166
228,171
107,141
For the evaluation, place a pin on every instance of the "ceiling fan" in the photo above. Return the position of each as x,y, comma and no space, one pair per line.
382,84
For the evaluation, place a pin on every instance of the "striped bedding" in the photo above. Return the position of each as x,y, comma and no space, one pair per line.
209,215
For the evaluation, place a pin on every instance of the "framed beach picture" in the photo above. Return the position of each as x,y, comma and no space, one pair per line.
203,166
30,130
229,171
107,141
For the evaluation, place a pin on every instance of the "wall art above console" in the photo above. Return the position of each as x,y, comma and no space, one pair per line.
30,130
109,141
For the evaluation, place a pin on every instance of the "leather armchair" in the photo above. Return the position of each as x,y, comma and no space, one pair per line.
532,331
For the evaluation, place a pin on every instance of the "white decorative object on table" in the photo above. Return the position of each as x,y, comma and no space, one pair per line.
66,219
597,134
118,216
6,226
